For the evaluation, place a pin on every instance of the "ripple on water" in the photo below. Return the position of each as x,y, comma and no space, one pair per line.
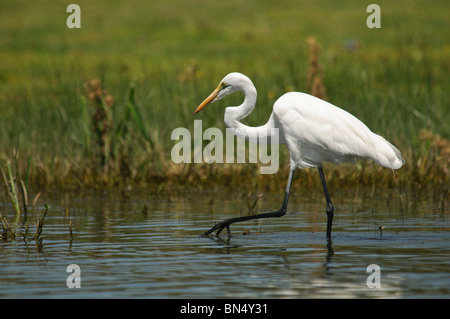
124,253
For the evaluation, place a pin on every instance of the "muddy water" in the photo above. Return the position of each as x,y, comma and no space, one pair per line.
135,245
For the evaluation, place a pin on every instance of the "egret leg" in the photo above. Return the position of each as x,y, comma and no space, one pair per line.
330,207
278,213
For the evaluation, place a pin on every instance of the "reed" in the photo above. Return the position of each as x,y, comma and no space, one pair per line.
10,181
8,233
40,223
315,71
102,123
13,182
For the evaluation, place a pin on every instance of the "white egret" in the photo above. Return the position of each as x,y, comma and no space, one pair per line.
314,131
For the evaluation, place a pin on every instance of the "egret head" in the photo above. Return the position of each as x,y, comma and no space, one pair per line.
231,83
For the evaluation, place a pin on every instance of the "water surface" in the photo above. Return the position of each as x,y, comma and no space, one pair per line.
132,244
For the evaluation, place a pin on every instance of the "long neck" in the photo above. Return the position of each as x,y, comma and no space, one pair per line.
234,114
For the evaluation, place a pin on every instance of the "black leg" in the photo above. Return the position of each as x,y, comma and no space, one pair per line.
330,208
278,213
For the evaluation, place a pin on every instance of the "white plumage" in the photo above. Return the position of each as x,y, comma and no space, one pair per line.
314,131
317,131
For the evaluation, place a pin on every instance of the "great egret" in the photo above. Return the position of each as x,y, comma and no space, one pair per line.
314,131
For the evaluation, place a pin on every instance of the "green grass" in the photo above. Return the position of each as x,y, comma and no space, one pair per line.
173,53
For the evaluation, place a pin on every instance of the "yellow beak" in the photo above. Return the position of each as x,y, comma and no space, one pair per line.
209,99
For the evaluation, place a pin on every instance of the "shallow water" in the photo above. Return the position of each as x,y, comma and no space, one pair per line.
124,252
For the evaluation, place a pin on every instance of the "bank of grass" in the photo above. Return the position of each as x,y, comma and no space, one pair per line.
158,60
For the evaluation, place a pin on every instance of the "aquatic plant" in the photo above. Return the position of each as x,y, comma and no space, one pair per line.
13,182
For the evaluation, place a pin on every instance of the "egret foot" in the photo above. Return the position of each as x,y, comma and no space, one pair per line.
219,227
